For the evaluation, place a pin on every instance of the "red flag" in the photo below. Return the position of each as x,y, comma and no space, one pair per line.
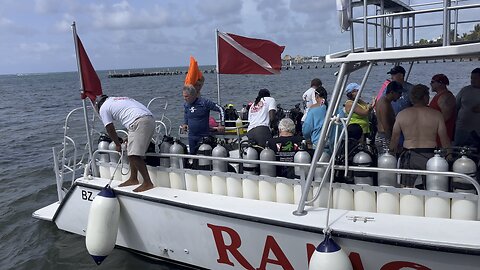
91,83
242,55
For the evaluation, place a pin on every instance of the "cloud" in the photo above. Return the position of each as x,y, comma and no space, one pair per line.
123,16
53,6
4,22
64,25
37,47
312,6
217,8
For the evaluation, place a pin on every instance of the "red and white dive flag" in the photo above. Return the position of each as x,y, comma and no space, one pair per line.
242,55
90,81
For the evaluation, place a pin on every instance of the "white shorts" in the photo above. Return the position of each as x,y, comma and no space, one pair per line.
140,133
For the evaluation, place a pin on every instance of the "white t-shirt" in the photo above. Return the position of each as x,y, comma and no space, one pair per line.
123,109
258,115
308,100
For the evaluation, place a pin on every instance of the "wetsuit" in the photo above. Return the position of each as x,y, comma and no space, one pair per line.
196,116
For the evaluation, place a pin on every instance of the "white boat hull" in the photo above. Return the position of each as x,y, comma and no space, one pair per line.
164,223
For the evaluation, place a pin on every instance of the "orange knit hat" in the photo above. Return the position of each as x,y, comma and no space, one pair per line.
194,74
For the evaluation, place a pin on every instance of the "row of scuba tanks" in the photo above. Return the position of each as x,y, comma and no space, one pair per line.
360,155
364,156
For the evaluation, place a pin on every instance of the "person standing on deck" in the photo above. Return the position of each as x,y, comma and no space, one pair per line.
194,76
261,115
308,98
140,124
468,111
444,102
397,74
360,112
313,124
420,125
386,115
196,117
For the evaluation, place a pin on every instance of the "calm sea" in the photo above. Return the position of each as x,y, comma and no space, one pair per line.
33,110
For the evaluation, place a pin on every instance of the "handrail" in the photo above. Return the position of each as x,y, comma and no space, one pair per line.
415,12
407,12
307,165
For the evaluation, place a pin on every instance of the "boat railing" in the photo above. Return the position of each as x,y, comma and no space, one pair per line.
163,122
399,21
67,159
303,173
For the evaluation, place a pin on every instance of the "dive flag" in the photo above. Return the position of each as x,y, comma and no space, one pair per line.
90,81
243,55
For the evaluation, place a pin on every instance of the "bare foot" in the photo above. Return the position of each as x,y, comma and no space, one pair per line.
143,187
129,182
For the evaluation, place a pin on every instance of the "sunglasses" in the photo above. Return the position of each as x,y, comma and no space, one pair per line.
432,82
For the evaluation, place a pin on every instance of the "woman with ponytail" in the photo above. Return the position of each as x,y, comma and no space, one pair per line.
260,115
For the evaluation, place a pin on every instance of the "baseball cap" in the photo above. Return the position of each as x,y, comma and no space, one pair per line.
351,87
441,78
397,69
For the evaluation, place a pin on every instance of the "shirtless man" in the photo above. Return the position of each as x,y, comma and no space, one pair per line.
420,125
397,74
468,111
386,115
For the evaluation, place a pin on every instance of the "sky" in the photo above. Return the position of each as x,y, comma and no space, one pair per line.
36,35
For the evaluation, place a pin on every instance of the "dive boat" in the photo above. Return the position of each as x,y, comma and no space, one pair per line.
213,218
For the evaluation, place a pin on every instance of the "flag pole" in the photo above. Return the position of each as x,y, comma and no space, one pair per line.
218,73
84,103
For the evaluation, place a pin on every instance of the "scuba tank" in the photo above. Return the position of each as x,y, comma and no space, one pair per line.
384,178
437,164
363,159
165,145
103,144
113,156
205,149
268,154
250,154
466,166
302,156
217,165
176,148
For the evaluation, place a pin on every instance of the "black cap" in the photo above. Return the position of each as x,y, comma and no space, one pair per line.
397,69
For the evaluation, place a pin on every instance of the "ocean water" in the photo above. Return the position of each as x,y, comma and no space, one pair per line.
33,109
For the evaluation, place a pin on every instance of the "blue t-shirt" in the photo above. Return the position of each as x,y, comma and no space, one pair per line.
196,116
314,122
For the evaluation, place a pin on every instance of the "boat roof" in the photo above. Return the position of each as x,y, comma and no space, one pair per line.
471,50
396,5
386,31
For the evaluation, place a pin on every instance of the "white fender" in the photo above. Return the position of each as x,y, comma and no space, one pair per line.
329,255
102,226
344,14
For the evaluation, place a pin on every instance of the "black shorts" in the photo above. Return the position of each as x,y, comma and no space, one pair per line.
414,159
